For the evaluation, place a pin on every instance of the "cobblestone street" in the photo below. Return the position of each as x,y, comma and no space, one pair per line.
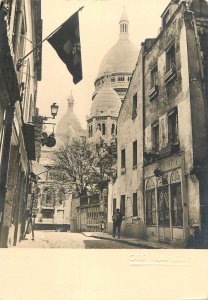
52,239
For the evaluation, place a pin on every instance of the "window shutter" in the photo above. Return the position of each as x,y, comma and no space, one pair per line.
163,131
148,138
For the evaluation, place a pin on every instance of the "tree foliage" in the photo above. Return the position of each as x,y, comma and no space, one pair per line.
87,167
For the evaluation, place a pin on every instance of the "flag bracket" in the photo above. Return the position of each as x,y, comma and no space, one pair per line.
21,60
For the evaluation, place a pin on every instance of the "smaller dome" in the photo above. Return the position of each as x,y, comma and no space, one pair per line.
69,124
106,102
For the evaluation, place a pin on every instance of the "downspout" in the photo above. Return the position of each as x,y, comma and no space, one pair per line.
143,131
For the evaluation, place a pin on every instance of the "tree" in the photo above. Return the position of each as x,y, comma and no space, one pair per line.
106,158
72,164
88,167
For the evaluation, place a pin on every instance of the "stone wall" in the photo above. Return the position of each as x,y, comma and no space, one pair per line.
130,180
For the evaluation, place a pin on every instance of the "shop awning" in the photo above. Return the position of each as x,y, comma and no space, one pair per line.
39,170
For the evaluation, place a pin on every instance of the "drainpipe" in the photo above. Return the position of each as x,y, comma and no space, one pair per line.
143,128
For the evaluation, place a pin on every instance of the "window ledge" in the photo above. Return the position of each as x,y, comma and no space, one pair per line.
170,76
177,226
153,92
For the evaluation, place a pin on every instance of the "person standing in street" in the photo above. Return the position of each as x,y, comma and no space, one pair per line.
30,223
117,220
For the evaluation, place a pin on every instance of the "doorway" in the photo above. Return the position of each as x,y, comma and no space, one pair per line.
163,214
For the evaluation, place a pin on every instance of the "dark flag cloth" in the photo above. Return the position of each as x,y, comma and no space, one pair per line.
66,42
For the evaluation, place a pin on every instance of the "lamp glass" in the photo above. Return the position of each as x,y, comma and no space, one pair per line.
54,109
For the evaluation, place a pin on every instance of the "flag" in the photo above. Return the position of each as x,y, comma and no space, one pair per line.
66,42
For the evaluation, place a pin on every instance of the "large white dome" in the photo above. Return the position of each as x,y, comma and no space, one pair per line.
121,58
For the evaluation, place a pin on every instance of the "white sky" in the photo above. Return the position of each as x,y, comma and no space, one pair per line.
99,31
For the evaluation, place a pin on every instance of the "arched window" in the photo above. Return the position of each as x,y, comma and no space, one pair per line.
99,126
103,129
113,129
89,131
150,184
162,180
175,177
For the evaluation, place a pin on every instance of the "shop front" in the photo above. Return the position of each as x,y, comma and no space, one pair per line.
165,204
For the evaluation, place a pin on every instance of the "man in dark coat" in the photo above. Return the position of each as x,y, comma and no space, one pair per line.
30,223
117,220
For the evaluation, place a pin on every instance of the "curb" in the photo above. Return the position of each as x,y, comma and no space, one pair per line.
125,242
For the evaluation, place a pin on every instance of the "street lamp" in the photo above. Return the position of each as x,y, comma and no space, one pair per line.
54,110
40,119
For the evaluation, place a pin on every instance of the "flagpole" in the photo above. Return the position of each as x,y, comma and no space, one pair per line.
20,61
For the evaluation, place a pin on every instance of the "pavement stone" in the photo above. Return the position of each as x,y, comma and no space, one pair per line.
85,240
69,240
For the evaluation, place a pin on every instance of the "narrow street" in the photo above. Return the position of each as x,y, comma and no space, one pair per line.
52,239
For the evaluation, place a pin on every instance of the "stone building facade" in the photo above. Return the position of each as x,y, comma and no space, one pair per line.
54,199
21,28
111,84
170,100
127,191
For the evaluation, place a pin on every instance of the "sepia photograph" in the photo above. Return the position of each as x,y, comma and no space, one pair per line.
103,149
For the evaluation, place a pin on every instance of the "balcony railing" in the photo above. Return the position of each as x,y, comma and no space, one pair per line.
151,155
